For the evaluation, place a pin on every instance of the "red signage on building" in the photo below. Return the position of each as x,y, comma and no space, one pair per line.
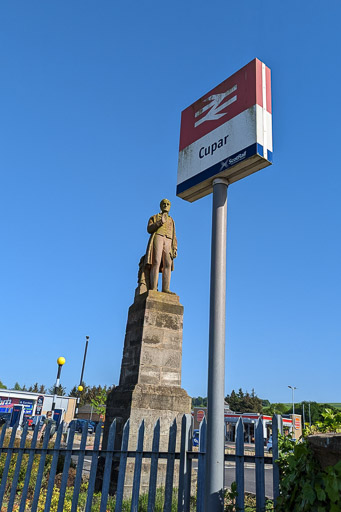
200,416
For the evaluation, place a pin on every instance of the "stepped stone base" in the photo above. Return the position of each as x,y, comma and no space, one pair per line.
148,403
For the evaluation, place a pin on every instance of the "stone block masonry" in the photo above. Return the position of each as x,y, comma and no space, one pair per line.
150,380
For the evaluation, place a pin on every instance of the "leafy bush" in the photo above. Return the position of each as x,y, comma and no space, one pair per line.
304,485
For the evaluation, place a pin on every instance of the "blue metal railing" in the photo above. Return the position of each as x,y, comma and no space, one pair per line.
13,452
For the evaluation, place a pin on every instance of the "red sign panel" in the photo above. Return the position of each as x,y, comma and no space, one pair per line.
236,94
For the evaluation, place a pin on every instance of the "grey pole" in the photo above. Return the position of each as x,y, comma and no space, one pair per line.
293,401
293,409
82,373
216,363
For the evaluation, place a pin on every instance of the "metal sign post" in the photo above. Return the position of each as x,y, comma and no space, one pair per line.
214,500
225,136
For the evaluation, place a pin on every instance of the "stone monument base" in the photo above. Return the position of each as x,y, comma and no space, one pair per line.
148,403
150,381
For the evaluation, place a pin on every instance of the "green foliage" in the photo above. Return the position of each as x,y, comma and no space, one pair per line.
2,385
61,390
276,408
23,469
244,402
89,393
99,402
304,485
316,411
331,421
37,388
199,401
230,498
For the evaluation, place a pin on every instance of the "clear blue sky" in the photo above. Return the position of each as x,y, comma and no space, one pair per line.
90,99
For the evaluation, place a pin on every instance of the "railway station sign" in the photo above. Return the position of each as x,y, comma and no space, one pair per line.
227,133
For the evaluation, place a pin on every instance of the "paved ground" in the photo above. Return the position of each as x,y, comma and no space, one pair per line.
249,478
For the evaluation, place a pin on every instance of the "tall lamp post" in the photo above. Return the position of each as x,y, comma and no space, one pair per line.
60,362
293,407
80,387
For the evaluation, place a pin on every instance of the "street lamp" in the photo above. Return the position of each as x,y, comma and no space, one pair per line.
60,362
80,387
293,402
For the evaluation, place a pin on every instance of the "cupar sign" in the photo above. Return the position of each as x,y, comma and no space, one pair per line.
227,133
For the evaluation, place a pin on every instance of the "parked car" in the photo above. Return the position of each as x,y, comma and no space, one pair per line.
4,416
80,424
195,439
37,420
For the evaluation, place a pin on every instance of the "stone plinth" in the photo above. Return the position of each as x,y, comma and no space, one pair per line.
153,342
150,381
327,448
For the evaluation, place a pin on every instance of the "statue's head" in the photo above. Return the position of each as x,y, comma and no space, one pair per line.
165,205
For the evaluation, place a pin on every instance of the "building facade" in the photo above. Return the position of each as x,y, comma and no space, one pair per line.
36,404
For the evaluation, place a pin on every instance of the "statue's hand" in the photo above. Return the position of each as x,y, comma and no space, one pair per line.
175,253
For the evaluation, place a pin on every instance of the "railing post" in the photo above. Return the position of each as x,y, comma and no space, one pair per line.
275,454
53,469
17,468
137,469
240,464
107,466
259,452
41,467
66,467
122,467
80,463
93,470
184,494
7,463
29,470
201,466
170,467
154,467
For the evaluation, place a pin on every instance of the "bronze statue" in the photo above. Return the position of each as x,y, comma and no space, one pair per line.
161,251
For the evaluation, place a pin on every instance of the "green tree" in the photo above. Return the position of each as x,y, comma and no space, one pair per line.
90,393
99,401
42,389
244,402
36,388
199,401
61,390
17,387
2,385
316,411
277,408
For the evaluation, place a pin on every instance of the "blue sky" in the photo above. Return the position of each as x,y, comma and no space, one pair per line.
90,100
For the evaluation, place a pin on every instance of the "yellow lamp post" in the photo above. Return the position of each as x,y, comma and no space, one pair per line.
60,362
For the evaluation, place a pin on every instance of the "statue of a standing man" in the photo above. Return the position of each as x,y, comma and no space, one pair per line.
162,247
